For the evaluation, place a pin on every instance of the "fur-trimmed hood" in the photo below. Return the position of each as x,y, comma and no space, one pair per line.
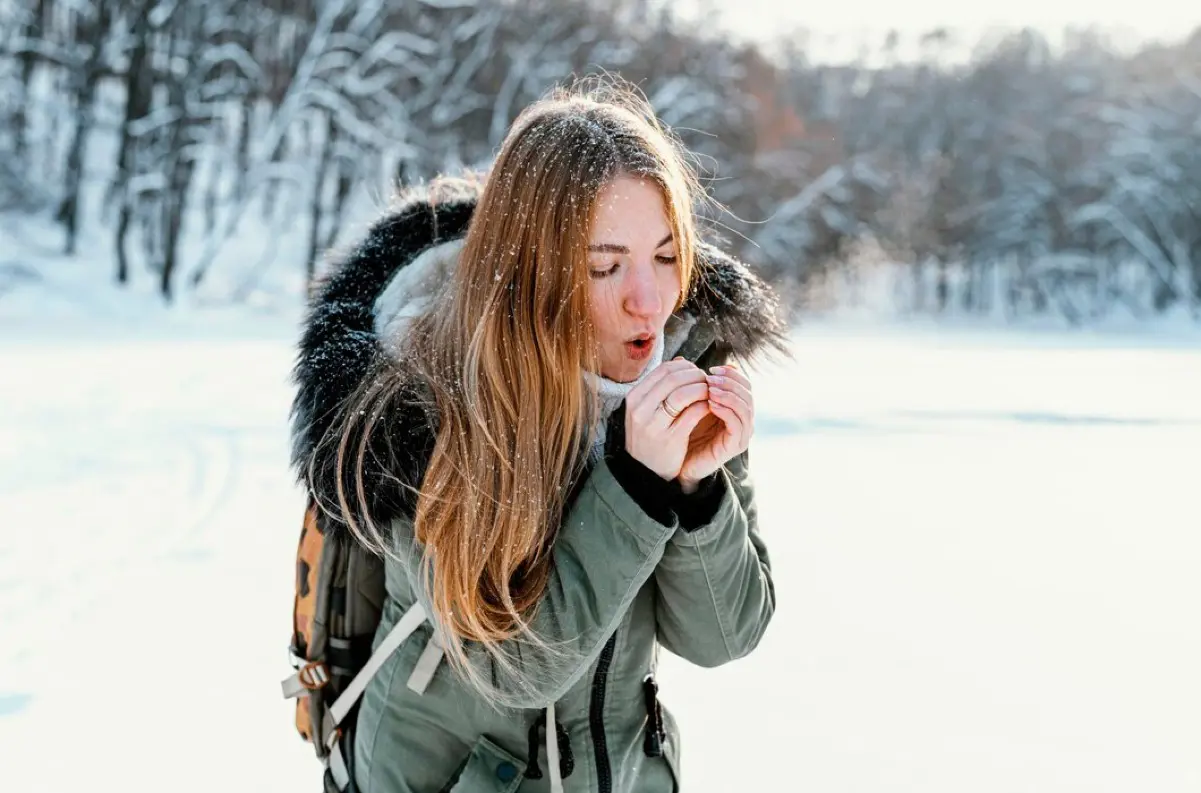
360,311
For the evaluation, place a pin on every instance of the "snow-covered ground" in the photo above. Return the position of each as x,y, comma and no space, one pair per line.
985,543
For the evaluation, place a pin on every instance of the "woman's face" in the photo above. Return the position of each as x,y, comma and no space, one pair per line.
634,278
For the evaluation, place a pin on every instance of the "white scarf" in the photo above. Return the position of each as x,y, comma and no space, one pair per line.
612,393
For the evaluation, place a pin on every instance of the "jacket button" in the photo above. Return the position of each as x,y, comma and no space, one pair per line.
506,772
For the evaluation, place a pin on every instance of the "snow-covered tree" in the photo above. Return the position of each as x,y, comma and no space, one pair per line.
1068,179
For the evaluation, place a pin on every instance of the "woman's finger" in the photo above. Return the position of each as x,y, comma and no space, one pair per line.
728,409
734,396
683,397
731,385
730,375
680,376
732,372
686,423
638,392
736,437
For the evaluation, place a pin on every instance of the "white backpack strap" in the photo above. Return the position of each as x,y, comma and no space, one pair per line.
552,751
427,664
400,631
336,763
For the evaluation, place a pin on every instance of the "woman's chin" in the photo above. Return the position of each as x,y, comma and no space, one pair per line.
616,376
626,363
626,371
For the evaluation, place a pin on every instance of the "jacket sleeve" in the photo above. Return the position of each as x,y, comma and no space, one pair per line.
715,595
606,550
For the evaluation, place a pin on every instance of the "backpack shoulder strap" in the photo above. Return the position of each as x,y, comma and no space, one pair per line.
336,613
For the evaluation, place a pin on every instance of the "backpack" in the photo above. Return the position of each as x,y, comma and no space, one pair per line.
337,608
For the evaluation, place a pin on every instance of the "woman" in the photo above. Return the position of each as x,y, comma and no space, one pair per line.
522,395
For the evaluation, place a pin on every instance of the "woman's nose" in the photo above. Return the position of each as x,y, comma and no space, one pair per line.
642,296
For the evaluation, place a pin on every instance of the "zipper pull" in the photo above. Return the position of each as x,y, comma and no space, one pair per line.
652,744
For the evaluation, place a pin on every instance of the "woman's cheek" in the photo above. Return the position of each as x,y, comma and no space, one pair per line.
670,290
600,304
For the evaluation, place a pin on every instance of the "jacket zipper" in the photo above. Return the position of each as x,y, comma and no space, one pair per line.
596,717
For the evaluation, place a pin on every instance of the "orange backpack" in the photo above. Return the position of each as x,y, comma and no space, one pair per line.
337,608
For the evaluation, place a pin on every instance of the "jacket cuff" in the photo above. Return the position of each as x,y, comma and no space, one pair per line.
698,508
654,494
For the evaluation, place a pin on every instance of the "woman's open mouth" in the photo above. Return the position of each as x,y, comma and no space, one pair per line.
639,348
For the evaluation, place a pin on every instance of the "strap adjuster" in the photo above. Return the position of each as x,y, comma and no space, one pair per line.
310,677
313,675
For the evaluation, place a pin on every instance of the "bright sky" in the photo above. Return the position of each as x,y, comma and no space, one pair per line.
848,21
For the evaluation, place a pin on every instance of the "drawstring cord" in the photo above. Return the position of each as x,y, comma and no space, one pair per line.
566,757
532,769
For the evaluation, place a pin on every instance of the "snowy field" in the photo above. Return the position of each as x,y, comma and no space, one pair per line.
986,548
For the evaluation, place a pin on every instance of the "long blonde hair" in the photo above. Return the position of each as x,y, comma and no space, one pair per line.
500,356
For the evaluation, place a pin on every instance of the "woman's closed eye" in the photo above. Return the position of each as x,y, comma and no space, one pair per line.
604,272
612,268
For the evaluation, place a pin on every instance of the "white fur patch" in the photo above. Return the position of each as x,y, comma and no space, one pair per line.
410,291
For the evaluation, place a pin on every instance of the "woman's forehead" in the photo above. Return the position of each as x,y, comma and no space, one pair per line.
630,211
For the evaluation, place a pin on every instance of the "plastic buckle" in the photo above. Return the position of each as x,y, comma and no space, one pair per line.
313,675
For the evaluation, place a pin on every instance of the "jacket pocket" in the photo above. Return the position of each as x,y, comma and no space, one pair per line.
488,769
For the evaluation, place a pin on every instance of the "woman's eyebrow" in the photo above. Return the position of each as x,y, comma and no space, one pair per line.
608,247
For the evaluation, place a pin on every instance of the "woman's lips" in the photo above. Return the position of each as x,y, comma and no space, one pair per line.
640,349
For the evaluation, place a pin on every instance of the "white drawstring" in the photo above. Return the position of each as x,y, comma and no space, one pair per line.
552,751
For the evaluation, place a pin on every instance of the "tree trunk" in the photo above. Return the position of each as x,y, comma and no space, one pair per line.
345,181
85,82
139,88
318,194
177,168
919,285
987,295
174,208
123,216
1014,284
271,189
943,288
971,280
243,155
32,32
1196,265
175,205
217,170
148,220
